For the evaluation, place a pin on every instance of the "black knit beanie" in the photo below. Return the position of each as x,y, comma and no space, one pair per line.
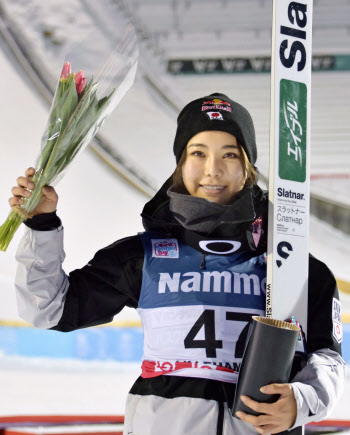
215,112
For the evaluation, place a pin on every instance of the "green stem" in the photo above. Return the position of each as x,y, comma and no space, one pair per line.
14,220
53,150
8,229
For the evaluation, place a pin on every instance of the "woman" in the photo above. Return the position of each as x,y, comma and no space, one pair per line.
196,276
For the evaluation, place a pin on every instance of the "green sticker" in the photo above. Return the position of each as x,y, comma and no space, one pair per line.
292,151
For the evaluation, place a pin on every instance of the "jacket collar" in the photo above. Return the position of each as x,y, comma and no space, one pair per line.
207,217
209,227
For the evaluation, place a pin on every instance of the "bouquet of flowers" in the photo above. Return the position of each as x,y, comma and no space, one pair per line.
79,108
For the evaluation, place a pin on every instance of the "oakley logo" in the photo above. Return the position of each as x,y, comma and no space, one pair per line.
232,246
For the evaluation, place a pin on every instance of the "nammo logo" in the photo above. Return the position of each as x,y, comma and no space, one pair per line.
215,281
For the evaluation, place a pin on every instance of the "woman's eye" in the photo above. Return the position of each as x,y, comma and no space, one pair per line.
197,154
231,155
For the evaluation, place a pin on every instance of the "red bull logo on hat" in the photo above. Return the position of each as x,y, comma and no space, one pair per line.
217,107
216,104
216,101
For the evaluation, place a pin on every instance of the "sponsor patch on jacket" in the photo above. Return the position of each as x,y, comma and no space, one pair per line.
257,231
165,248
215,115
337,325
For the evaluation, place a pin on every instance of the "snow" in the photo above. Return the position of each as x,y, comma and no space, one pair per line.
327,185
44,387
97,208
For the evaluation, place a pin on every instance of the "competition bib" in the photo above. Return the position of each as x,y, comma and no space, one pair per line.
195,320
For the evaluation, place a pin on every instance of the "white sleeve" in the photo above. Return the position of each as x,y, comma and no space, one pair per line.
41,284
318,386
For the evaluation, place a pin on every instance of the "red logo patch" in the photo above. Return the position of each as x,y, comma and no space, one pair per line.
215,115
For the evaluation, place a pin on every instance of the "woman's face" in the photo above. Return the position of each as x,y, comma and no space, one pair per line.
213,167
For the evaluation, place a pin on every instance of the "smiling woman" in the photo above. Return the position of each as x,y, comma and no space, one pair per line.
196,276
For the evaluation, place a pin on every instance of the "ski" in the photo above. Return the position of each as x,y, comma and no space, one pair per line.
289,173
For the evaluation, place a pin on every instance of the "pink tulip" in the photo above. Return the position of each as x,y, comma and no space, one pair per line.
66,71
80,82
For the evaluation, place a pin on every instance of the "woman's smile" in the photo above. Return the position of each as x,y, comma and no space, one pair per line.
212,191
210,187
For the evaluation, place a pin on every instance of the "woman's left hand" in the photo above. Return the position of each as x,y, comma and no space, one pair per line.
276,417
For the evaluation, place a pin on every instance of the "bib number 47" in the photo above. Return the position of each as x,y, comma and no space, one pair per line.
207,321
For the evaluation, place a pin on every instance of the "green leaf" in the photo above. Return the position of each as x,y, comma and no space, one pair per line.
80,128
64,105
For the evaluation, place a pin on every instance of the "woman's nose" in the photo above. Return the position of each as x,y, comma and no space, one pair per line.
213,167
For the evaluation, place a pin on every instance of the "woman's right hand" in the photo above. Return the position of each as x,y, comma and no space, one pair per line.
25,185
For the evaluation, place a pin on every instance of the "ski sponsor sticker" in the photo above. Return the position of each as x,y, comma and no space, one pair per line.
337,325
215,115
165,248
292,140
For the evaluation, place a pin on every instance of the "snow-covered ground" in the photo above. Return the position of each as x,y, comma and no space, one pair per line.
97,208
47,387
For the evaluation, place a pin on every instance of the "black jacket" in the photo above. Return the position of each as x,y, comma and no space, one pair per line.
113,278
